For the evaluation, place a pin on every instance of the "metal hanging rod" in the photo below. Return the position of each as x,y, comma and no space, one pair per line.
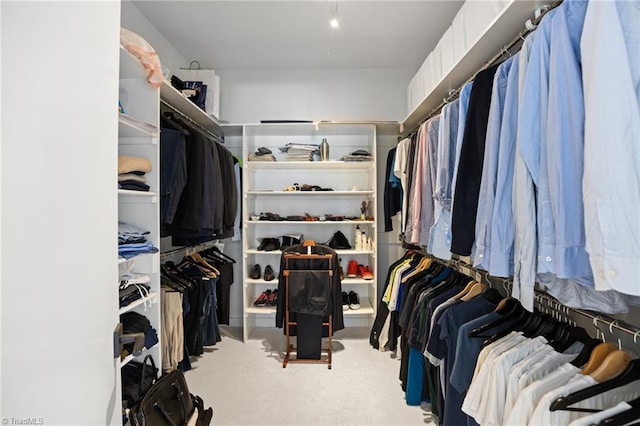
192,122
530,26
551,302
187,251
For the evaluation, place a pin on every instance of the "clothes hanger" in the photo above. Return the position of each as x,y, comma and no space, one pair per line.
629,374
199,260
474,291
625,417
598,355
510,309
585,353
465,290
217,252
424,263
615,363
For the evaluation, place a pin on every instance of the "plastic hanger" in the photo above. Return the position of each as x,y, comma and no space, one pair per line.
629,374
585,353
625,417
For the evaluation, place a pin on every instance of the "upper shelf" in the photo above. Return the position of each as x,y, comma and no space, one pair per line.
173,97
304,193
129,127
500,32
309,164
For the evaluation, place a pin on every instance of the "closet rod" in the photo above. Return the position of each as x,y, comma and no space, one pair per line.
191,121
530,26
187,251
552,302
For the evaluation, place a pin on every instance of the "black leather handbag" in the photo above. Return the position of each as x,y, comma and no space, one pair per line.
137,379
169,403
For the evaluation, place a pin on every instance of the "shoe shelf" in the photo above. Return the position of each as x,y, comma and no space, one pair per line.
310,222
131,306
268,192
261,281
264,184
266,310
365,308
352,281
292,165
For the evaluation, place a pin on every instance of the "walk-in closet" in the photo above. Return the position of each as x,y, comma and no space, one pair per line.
320,212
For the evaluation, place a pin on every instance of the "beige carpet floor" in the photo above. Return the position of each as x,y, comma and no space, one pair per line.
246,384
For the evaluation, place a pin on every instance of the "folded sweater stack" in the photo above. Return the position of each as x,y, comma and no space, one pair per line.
131,173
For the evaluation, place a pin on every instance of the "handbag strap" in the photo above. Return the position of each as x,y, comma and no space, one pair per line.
181,399
144,366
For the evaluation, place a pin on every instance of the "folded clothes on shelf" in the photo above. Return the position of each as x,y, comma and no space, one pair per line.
133,241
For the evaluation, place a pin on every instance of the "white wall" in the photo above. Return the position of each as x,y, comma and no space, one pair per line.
133,20
58,229
248,96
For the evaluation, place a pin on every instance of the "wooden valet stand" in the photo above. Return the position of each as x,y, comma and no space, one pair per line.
325,357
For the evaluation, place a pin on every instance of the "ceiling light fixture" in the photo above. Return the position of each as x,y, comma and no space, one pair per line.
334,22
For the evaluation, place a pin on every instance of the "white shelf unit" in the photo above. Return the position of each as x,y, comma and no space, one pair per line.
263,192
138,133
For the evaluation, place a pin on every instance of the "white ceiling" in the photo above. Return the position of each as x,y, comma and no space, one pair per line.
291,34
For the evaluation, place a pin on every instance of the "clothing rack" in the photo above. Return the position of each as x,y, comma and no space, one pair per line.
192,122
530,26
178,254
543,299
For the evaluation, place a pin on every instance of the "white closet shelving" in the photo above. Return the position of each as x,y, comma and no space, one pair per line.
138,133
263,192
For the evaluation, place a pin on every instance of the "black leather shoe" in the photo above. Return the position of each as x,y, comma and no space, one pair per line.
273,244
255,272
268,273
263,244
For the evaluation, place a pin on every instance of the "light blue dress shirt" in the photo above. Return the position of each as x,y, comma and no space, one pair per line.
502,221
438,245
533,122
524,210
486,195
565,141
610,49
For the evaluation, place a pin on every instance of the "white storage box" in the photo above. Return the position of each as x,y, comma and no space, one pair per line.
445,48
459,37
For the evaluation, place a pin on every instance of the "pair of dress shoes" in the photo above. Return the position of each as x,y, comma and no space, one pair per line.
256,273
269,244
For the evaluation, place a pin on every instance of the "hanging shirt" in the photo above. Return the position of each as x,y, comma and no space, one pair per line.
439,241
486,195
469,172
529,397
595,418
525,245
419,173
611,75
502,225
401,172
564,141
532,122
427,212
543,416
